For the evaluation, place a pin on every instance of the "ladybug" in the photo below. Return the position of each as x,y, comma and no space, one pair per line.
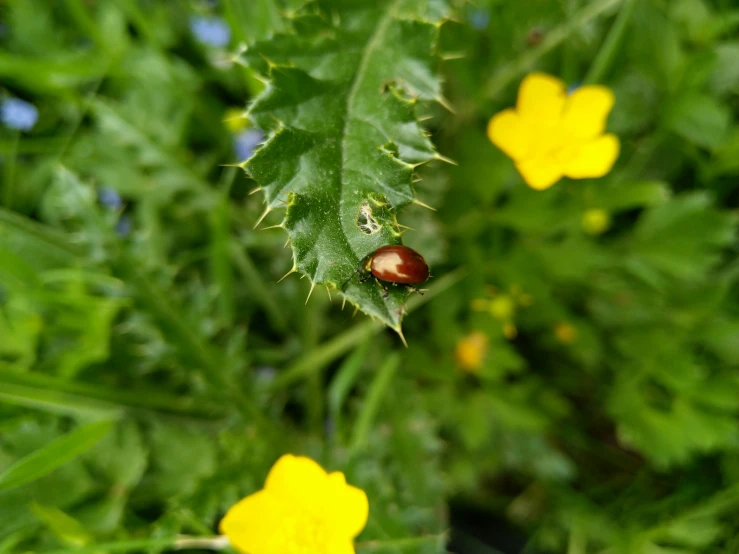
396,264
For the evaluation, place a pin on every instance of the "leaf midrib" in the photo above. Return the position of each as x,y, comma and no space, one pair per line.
367,52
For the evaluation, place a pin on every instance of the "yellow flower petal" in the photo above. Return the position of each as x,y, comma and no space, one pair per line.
586,111
541,99
470,351
297,478
301,510
349,505
596,158
341,546
539,173
249,523
507,131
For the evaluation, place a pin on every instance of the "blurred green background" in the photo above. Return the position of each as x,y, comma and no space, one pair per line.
570,384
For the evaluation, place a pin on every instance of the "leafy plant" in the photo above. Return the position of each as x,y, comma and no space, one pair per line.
345,138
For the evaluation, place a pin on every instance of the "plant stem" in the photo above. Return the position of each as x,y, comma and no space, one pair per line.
609,48
373,402
554,38
181,542
9,181
255,283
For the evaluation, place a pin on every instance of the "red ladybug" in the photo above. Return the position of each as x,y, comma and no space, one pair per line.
396,264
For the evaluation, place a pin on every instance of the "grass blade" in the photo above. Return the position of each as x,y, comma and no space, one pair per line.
76,398
343,382
146,545
611,45
55,402
54,455
373,402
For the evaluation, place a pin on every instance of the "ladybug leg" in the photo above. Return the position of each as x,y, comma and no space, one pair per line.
385,290
414,289
365,278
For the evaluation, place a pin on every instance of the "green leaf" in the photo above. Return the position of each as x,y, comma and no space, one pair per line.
59,452
699,118
345,138
683,238
66,528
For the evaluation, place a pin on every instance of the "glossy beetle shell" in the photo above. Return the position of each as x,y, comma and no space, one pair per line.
398,264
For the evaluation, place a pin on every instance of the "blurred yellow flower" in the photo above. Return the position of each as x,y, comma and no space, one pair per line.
565,333
502,307
509,331
235,120
550,134
301,510
595,222
471,350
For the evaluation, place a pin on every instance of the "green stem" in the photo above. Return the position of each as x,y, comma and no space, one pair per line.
220,259
86,23
373,402
315,396
554,38
611,44
569,58
578,541
9,181
140,21
145,545
255,283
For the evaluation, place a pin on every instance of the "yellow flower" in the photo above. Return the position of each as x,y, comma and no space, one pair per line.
502,307
550,134
471,350
509,331
301,510
595,222
565,333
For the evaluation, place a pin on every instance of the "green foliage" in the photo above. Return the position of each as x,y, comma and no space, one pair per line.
55,454
152,369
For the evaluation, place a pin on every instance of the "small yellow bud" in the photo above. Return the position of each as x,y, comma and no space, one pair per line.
565,333
471,350
501,307
596,222
509,331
